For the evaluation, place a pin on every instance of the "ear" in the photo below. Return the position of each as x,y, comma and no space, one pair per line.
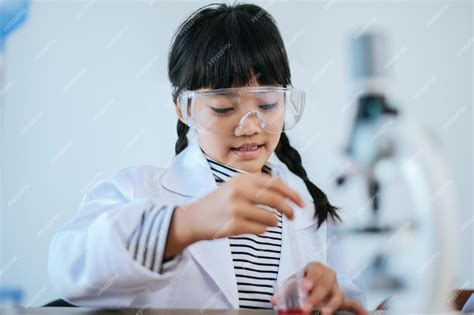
178,112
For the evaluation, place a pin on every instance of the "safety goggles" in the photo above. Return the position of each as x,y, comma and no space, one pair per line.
227,111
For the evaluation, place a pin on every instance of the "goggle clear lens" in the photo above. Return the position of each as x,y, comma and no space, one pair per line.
226,111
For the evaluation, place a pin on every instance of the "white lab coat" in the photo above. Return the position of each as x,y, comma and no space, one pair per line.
90,266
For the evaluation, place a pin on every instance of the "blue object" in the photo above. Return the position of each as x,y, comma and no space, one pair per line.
469,306
11,296
12,14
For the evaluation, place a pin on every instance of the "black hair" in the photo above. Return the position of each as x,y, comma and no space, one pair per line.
221,46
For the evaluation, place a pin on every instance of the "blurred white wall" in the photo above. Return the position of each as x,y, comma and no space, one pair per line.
87,93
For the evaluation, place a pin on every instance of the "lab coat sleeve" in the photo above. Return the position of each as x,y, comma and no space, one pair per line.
336,261
113,249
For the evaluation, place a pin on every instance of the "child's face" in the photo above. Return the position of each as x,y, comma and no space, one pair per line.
230,150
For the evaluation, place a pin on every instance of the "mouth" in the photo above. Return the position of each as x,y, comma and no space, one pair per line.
248,150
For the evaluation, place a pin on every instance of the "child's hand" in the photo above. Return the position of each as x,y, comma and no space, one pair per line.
323,292
232,208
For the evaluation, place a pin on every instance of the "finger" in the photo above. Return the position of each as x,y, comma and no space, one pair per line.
307,285
325,280
316,297
243,226
258,215
313,271
274,200
335,301
353,306
277,185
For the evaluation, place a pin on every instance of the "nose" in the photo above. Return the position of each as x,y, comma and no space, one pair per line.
249,124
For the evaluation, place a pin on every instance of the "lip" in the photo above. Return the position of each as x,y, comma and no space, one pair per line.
248,154
248,144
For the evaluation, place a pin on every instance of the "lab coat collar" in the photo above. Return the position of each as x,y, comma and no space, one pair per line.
189,174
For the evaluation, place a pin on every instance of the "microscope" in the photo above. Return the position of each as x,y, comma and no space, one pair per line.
412,266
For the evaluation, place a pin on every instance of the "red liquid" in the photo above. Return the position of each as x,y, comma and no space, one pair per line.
292,311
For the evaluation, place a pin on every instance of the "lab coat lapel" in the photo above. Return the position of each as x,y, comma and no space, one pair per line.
190,176
287,267
308,240
288,264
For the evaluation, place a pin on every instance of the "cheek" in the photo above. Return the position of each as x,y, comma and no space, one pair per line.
213,145
273,140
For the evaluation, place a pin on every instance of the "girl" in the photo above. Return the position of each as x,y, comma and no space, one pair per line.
215,229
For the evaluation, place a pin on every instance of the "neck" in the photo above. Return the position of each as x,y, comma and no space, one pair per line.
258,172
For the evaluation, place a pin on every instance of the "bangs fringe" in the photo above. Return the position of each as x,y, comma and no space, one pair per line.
221,46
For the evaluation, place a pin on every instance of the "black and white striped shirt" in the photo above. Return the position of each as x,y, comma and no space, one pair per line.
256,258
148,241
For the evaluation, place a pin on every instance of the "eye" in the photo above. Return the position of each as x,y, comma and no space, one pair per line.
222,110
268,106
